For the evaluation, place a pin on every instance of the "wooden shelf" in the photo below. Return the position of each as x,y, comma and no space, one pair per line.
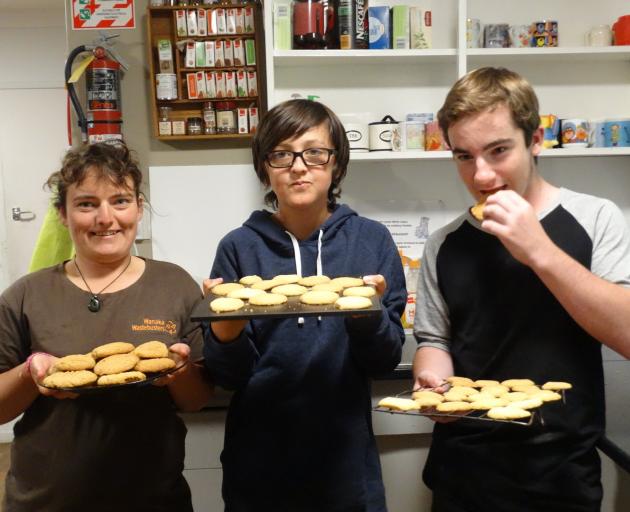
216,136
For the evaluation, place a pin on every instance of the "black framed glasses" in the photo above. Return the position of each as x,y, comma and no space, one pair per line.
310,156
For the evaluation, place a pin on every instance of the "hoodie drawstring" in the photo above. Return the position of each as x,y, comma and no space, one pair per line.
298,260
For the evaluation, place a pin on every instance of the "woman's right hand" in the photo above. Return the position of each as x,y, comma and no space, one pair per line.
40,365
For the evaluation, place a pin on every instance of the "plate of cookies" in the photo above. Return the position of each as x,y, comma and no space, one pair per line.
112,365
288,296
517,401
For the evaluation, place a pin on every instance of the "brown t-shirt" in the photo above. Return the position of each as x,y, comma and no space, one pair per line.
112,450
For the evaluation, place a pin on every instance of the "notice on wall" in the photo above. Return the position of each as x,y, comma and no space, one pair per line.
103,14
410,224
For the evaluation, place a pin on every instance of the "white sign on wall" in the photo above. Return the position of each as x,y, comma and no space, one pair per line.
101,14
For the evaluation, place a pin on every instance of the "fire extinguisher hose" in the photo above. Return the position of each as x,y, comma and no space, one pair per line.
72,93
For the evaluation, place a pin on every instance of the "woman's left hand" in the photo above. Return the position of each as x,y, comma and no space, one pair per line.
183,351
378,281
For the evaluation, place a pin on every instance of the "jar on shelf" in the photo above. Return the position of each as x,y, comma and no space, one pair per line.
157,3
226,117
209,119
164,121
194,126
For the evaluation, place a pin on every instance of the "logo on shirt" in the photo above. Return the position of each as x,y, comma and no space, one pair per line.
156,325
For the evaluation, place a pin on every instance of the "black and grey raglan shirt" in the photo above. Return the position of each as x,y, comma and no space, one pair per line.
498,320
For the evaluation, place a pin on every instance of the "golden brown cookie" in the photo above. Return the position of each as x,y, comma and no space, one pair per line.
348,282
249,280
110,349
121,378
151,349
399,404
266,284
313,280
328,287
268,299
496,390
454,380
359,291
353,303
244,293
556,386
160,364
547,395
286,278
453,406
508,412
528,403
319,297
290,290
224,304
485,382
117,363
477,210
514,396
224,288
75,362
72,379
510,383
488,403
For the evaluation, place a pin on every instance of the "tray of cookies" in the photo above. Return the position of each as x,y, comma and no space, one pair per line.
112,365
518,401
288,296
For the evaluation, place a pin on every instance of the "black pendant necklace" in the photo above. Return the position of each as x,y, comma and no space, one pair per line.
95,302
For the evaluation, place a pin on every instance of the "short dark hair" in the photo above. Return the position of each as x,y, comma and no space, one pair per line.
112,161
292,119
486,89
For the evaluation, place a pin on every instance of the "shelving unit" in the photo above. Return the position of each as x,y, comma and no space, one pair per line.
162,24
571,80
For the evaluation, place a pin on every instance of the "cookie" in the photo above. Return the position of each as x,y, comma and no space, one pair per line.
224,304
510,383
290,290
477,210
268,299
420,394
348,282
399,404
319,297
110,349
485,382
151,349
117,363
160,364
287,278
266,284
72,379
244,293
459,393
488,403
497,390
359,291
528,403
353,303
556,386
313,280
530,390
514,396
475,397
249,280
453,406
508,413
224,288
75,362
454,380
121,378
546,395
328,287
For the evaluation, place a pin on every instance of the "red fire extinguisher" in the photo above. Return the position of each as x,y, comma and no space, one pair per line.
104,115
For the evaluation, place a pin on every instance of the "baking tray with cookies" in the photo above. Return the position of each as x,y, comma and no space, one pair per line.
112,365
518,401
285,296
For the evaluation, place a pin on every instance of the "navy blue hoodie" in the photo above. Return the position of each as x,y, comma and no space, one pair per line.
299,433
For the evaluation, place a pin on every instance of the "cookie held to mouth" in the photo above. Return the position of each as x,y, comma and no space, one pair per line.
477,210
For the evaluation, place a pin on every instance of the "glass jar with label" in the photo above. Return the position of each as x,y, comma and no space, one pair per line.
209,119
164,121
226,117
194,125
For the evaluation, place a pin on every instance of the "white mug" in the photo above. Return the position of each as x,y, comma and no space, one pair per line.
381,134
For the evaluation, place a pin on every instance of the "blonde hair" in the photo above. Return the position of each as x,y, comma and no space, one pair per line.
486,89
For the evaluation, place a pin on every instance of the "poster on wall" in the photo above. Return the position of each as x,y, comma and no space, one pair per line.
410,223
103,14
